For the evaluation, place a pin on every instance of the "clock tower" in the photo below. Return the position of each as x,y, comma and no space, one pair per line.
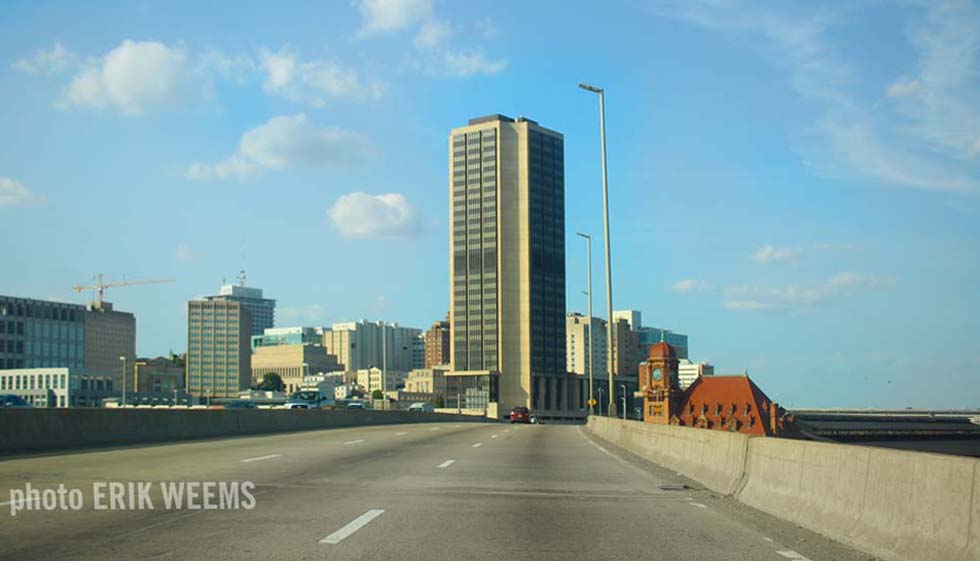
659,386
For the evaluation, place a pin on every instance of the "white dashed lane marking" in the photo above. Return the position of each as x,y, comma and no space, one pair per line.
446,464
403,433
355,441
353,526
493,436
478,444
794,556
699,505
260,458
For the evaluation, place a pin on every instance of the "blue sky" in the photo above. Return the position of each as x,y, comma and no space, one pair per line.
794,185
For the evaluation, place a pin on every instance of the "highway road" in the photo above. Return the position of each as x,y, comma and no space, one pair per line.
426,491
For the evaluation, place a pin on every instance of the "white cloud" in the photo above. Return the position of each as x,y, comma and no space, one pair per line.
359,215
185,254
314,82
802,296
432,33
690,285
465,64
134,77
48,61
14,193
772,254
941,126
285,141
392,15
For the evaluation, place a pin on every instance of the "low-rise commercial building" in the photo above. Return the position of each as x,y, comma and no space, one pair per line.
292,363
369,379
427,381
157,375
58,386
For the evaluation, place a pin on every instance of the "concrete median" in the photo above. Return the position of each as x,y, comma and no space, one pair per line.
893,504
29,430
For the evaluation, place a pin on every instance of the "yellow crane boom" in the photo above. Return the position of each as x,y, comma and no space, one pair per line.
100,285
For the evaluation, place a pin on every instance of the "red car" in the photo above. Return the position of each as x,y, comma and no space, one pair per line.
520,415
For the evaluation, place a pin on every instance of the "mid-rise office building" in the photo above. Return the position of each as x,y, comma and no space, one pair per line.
507,268
288,336
645,337
293,363
577,328
109,335
437,344
218,348
688,372
42,334
418,351
262,311
358,345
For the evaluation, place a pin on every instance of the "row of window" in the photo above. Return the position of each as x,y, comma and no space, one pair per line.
33,382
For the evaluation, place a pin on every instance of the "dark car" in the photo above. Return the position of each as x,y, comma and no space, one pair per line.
520,415
14,401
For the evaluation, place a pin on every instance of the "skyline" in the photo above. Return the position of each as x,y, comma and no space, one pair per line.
782,189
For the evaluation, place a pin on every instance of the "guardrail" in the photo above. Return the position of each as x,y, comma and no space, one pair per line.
893,504
25,430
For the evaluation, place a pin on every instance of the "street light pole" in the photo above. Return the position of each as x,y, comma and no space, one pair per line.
624,400
123,359
605,221
384,362
588,246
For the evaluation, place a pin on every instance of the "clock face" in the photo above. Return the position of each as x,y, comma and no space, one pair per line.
657,374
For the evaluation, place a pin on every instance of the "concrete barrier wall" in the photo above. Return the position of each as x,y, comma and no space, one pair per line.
23,430
712,458
893,504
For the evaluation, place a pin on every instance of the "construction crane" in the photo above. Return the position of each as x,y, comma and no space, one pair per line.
100,286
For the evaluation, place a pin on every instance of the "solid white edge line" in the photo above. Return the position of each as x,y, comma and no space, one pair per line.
353,526
446,464
260,458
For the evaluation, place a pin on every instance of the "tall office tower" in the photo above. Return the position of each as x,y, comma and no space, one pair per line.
262,310
110,334
358,345
507,265
437,344
219,354
42,334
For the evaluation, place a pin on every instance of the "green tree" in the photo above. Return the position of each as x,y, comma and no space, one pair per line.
377,394
272,382
439,402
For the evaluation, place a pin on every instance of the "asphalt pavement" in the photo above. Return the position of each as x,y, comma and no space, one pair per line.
403,492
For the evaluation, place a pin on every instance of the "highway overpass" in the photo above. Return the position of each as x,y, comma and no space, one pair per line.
413,491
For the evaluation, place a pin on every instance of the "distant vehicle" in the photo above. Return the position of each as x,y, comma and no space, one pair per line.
355,405
422,407
520,415
14,402
241,404
307,399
